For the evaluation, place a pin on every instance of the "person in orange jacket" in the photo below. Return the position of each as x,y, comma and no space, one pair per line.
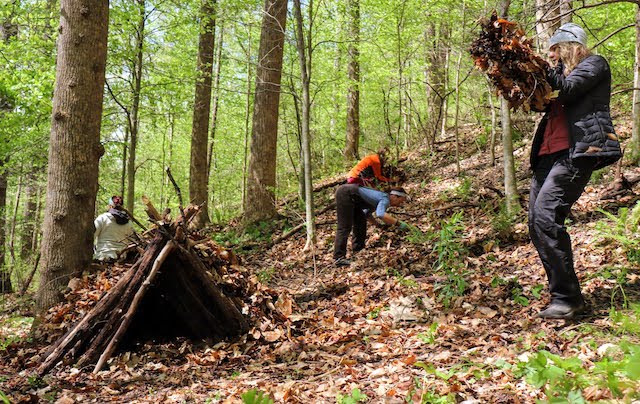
369,169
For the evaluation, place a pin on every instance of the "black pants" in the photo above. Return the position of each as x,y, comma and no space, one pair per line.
556,185
351,216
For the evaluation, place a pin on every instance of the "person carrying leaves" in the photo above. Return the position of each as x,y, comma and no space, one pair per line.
113,228
355,205
574,138
369,170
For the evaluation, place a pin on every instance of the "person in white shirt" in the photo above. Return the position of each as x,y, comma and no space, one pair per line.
113,229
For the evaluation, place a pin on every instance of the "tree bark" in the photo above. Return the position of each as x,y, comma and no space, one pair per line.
261,181
510,181
74,149
352,142
134,117
304,56
547,20
5,275
214,113
198,178
29,216
8,30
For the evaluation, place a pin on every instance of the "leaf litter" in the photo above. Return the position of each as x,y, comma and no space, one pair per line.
379,326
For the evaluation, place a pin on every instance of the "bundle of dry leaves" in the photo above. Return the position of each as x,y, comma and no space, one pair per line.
505,54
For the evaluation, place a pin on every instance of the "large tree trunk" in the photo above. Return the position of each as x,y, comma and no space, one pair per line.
261,181
305,75
353,92
198,178
134,117
74,149
8,30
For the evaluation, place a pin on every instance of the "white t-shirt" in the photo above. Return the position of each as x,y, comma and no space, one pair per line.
110,237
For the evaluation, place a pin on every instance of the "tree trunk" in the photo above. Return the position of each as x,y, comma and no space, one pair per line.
247,120
134,119
305,76
510,182
74,149
547,20
198,179
214,113
8,30
635,131
261,181
353,92
29,219
494,120
5,275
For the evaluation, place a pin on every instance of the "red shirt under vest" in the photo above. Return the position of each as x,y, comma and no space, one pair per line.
556,133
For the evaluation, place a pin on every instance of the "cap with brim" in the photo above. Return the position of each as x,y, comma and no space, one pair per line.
569,32
400,193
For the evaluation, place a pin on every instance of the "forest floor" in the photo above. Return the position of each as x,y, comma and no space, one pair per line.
447,314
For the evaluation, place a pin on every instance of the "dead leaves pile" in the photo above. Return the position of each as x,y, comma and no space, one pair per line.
505,54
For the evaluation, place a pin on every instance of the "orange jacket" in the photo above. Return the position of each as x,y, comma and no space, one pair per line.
369,168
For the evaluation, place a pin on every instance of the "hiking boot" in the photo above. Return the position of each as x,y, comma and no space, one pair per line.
562,310
342,262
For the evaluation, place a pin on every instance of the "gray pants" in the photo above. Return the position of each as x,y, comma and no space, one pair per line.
556,185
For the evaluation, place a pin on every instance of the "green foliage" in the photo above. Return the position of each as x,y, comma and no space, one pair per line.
627,322
402,280
429,336
464,190
265,275
503,221
450,252
255,397
564,379
355,397
624,230
4,399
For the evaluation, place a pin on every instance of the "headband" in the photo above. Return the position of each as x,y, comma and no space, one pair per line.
400,193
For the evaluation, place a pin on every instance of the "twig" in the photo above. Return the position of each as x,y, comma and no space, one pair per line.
176,187
33,272
134,219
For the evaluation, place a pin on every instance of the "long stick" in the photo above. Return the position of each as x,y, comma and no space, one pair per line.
170,246
28,281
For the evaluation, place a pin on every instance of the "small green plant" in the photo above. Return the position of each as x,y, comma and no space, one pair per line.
503,221
373,314
36,382
463,191
623,229
626,321
536,290
265,275
254,396
4,399
402,280
564,379
450,252
518,297
429,336
355,397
